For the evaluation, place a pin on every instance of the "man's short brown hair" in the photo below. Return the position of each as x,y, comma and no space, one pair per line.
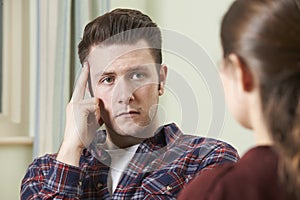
128,25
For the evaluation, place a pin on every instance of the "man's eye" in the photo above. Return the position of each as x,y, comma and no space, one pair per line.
137,76
107,80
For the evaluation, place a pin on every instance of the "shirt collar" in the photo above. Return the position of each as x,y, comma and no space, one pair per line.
164,136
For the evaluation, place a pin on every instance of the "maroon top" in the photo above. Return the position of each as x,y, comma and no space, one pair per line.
254,177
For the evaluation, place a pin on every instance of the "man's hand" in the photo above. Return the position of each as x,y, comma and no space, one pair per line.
83,118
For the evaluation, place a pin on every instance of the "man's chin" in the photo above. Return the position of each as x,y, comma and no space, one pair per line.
138,130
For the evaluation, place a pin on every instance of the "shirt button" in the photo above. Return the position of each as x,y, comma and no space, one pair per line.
169,187
80,183
99,185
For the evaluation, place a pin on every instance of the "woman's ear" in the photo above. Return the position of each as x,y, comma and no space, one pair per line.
242,73
162,79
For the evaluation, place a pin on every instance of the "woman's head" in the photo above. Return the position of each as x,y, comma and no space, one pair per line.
264,37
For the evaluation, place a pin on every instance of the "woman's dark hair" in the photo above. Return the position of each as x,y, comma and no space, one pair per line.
265,35
121,26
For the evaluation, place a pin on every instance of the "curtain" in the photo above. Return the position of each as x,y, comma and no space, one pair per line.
57,27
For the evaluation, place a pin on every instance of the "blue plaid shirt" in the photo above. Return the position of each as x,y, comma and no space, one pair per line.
160,168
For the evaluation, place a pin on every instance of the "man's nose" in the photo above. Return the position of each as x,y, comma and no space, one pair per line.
123,92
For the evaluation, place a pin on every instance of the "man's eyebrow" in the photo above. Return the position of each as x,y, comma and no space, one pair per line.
131,69
105,73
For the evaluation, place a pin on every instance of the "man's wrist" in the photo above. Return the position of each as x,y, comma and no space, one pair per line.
69,154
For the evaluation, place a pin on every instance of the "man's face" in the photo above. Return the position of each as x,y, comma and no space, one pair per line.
125,79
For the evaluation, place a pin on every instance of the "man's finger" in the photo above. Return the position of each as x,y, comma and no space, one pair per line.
79,90
90,105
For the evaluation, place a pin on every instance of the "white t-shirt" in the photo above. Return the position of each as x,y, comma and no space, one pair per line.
120,159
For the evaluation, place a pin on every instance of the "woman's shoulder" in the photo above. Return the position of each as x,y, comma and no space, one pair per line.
205,183
250,177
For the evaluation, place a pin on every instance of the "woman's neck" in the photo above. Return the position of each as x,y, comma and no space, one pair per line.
261,133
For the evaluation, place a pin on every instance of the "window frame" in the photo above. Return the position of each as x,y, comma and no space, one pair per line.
14,116
1,50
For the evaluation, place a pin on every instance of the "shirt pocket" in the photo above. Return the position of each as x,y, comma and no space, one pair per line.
163,185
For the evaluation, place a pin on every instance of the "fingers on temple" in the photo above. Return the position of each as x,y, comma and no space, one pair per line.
80,87
92,106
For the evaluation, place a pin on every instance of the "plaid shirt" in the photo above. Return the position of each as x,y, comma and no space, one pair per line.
160,168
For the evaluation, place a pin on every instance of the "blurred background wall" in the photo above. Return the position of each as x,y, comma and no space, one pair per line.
40,64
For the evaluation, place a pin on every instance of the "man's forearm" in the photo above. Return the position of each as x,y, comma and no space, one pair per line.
48,178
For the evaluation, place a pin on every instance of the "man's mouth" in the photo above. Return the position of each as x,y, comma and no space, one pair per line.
130,113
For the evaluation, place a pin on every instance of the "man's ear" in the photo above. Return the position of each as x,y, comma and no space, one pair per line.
243,74
162,79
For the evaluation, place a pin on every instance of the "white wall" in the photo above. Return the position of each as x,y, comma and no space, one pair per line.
15,143
199,21
14,162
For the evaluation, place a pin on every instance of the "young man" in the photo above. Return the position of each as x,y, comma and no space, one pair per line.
135,158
